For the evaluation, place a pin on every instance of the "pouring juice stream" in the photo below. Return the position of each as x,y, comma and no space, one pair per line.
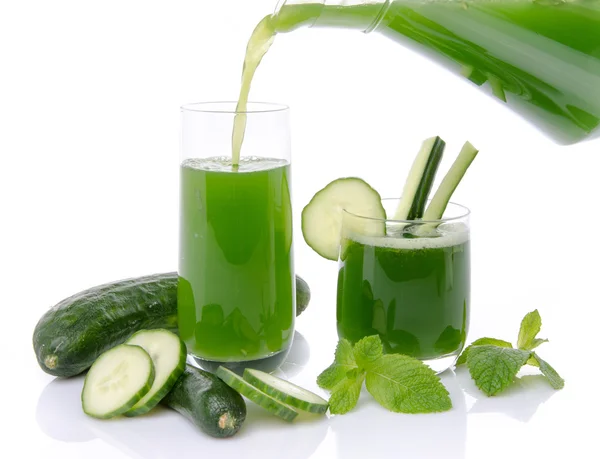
541,58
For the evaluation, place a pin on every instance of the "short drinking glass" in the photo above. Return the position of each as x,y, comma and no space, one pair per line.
408,282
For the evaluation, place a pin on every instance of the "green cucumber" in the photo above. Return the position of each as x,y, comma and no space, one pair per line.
117,380
420,180
286,392
70,336
322,217
302,295
257,396
441,198
208,402
168,354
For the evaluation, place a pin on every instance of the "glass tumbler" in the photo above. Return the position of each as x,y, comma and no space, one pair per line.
236,289
407,281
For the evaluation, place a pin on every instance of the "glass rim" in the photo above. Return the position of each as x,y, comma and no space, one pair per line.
228,107
466,212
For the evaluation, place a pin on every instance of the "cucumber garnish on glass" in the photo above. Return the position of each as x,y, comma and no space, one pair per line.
420,180
322,216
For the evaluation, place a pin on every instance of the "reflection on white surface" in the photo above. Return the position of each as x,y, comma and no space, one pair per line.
296,359
367,432
520,401
164,434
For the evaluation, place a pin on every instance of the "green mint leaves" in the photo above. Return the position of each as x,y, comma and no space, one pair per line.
398,382
406,385
494,363
336,372
367,351
493,368
530,327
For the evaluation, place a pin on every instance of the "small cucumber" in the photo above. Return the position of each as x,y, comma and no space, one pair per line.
322,217
257,396
168,354
420,180
302,295
286,392
208,402
117,381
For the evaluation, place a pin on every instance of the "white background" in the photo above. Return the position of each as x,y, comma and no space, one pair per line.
89,143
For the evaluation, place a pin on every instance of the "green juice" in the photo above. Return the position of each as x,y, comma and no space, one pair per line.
541,58
236,295
414,293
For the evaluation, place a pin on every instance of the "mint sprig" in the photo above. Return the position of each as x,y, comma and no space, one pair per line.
336,372
398,382
494,363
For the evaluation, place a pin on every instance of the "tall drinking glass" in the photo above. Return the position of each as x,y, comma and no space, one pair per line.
407,281
236,291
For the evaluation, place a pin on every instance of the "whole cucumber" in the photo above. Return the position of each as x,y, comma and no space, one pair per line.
208,402
70,336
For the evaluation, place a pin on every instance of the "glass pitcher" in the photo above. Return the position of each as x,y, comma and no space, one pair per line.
539,57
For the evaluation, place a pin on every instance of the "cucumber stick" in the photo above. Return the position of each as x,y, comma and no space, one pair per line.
117,380
257,396
437,205
420,180
168,354
323,216
286,392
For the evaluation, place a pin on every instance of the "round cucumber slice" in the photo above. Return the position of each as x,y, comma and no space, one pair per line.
168,354
322,217
257,396
116,381
286,392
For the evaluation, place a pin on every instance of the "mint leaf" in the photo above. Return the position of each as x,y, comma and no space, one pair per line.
344,396
367,351
480,342
550,373
406,385
530,327
535,343
336,372
493,368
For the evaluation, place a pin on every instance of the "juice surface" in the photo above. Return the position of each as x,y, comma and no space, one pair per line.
540,57
415,295
236,295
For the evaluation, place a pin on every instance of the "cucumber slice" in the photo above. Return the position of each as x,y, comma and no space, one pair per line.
256,395
420,180
322,216
439,202
168,354
116,381
286,392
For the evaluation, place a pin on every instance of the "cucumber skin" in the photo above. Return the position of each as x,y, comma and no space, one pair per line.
287,399
70,336
417,208
203,398
302,295
271,404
